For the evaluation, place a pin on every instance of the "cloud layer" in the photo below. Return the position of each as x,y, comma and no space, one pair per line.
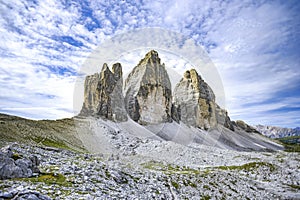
254,44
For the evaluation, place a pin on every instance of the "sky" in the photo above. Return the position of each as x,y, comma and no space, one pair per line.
254,45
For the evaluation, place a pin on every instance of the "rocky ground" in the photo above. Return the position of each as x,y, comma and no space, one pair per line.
68,174
127,161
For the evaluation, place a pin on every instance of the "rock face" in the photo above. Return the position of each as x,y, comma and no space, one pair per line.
15,166
103,95
148,92
194,101
223,118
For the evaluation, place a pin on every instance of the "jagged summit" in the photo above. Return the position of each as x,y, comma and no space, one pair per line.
150,57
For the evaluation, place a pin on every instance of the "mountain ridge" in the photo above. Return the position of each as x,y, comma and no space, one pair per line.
277,132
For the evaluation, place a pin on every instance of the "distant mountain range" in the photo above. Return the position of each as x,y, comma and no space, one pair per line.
277,132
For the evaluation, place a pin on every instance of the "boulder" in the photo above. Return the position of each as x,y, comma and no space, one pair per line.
14,166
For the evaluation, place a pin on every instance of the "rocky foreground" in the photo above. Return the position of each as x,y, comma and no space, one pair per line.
67,174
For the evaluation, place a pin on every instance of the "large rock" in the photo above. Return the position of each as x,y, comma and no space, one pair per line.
194,100
22,195
148,96
103,96
194,104
148,91
15,166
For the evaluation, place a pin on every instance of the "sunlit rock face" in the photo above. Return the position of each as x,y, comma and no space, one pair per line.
103,95
195,101
148,92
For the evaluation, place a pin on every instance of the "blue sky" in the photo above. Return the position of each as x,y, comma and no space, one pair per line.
255,46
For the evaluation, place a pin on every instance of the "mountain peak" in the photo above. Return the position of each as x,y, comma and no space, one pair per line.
150,57
148,91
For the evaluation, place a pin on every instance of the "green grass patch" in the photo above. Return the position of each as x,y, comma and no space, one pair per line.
290,140
52,143
297,187
175,185
206,187
292,147
49,178
169,169
291,144
205,197
16,156
107,174
248,166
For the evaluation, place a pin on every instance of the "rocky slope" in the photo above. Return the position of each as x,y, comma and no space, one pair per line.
57,133
214,174
127,161
277,132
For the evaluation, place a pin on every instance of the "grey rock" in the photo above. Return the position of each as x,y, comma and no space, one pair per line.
31,195
196,101
148,92
103,95
223,118
7,195
7,151
21,167
175,112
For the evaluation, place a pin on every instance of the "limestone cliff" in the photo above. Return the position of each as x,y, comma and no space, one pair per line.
103,94
148,91
194,100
